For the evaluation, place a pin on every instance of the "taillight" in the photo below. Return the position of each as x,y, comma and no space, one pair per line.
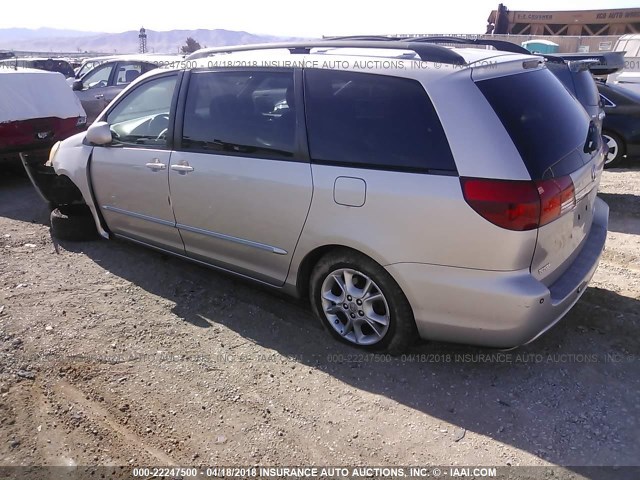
557,196
519,204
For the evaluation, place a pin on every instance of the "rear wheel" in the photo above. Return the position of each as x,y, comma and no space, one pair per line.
360,303
73,222
616,149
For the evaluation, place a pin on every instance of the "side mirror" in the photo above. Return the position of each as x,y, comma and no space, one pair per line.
99,134
77,85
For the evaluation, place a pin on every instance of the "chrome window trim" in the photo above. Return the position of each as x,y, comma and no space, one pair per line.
607,102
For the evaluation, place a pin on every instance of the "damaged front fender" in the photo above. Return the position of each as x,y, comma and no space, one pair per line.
65,179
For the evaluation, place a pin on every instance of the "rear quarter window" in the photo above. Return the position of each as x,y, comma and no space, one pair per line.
546,124
374,121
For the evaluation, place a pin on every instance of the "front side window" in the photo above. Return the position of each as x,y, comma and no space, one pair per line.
241,112
97,78
142,117
374,121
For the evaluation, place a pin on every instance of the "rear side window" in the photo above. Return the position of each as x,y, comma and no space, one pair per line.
545,122
373,121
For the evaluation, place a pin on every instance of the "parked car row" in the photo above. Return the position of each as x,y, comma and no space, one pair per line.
100,85
370,192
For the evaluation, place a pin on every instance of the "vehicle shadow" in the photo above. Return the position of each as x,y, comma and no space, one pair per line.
624,215
20,199
570,398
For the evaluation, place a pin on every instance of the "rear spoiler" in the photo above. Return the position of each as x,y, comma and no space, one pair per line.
599,63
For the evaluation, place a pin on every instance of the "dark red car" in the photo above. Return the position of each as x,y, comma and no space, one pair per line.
37,109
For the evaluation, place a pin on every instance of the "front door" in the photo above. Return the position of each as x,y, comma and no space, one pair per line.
94,86
130,175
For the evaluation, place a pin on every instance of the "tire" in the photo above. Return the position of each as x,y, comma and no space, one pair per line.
73,222
616,149
354,321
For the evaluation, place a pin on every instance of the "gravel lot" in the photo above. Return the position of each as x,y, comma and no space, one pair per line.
111,354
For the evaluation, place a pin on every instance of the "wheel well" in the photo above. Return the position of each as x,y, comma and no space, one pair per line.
310,261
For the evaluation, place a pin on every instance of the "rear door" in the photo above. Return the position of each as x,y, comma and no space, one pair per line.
561,150
240,184
130,175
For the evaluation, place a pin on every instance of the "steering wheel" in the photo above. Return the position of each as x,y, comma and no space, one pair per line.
162,134
100,84
159,122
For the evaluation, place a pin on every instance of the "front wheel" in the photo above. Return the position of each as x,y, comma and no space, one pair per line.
616,149
360,303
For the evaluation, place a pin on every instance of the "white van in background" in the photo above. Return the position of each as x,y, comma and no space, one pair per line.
630,76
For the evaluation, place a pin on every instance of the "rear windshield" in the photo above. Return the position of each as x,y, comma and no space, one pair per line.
547,125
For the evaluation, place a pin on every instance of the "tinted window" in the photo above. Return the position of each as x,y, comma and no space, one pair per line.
586,89
142,116
620,95
375,121
248,112
545,123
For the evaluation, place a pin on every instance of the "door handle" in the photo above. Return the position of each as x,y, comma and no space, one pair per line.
182,168
155,165
99,96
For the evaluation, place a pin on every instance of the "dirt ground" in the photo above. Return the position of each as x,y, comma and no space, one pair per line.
111,354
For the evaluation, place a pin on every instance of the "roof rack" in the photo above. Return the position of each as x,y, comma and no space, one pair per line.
497,44
427,53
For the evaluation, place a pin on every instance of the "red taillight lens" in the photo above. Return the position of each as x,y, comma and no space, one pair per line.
519,204
557,196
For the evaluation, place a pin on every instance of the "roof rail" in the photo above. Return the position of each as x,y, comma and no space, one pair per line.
374,38
497,44
427,53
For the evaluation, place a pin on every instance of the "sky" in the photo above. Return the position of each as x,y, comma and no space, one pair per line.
280,17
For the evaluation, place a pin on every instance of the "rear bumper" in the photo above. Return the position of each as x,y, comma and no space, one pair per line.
35,134
497,309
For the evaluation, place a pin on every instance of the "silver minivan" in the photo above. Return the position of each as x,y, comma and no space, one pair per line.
409,190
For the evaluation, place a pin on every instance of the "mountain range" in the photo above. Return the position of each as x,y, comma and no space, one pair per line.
74,41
